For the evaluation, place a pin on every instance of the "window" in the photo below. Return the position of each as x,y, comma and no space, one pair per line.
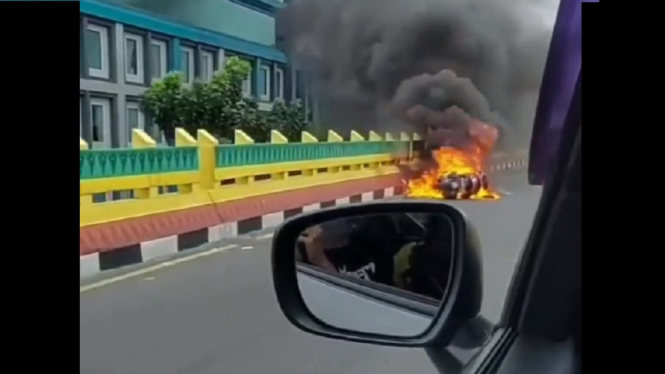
264,93
207,66
97,51
80,117
279,83
135,118
158,58
187,61
100,110
247,85
134,58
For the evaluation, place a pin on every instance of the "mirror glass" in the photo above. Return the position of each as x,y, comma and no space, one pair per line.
382,273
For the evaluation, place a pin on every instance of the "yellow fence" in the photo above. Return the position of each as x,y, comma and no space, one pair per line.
210,184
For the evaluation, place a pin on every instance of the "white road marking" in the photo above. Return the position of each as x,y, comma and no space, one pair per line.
153,268
505,192
266,236
246,247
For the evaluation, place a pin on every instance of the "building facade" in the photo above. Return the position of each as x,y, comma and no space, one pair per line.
124,49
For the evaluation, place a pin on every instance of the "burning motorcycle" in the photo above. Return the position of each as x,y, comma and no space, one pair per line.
453,166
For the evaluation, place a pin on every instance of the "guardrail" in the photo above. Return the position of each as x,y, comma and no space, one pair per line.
206,172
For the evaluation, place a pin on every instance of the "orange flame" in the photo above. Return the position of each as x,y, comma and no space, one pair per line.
450,161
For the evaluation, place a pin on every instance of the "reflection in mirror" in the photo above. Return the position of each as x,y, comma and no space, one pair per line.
381,273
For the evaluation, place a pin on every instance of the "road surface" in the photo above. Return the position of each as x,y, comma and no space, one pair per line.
217,313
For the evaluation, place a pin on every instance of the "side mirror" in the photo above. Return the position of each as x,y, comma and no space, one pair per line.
402,273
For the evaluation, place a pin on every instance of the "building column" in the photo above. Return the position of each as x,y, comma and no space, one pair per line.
147,66
288,83
307,99
198,61
175,64
273,86
118,52
221,60
119,130
257,82
116,55
316,110
86,119
123,131
294,84
271,80
83,61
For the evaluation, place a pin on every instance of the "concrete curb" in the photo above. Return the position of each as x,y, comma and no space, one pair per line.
93,263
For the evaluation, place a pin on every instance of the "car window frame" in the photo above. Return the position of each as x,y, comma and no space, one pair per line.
532,272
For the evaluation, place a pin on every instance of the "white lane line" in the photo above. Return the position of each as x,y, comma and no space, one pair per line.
508,193
245,247
266,236
150,269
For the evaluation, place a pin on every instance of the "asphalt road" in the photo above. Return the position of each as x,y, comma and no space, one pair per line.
217,313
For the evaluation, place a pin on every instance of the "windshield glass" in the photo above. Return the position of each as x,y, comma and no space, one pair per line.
214,121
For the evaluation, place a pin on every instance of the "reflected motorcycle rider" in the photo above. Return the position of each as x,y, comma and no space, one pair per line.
385,249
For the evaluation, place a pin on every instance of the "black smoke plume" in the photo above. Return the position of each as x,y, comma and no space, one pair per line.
371,61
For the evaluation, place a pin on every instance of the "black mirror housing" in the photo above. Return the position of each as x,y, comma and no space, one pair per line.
460,304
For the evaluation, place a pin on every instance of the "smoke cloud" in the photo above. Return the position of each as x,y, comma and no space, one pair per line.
372,61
